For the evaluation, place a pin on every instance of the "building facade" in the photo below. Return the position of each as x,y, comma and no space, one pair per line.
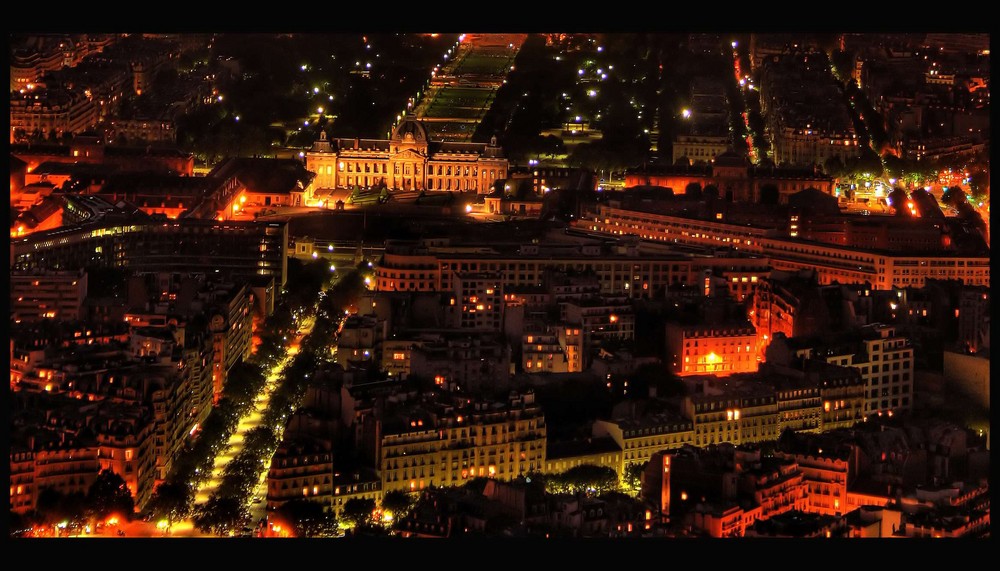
229,248
431,265
408,161
57,295
711,349
498,440
846,265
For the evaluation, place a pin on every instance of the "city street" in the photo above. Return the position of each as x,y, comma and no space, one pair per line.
235,444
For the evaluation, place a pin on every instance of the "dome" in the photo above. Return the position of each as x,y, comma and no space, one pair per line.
410,130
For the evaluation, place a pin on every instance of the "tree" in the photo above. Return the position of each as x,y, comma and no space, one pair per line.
220,515
53,506
171,501
897,200
692,191
398,503
110,495
866,166
710,193
843,64
358,511
834,167
632,478
309,518
895,167
979,182
953,196
584,479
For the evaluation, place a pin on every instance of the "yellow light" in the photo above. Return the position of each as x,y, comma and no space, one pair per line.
614,318
712,358
243,198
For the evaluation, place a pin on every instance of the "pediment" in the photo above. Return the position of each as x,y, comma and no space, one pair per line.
409,154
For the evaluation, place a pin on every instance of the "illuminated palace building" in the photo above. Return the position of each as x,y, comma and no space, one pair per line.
408,161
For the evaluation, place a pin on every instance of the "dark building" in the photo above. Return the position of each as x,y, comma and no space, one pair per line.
143,243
